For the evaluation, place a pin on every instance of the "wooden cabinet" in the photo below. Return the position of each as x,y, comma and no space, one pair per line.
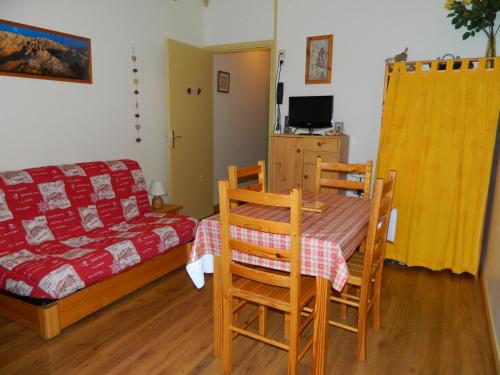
293,159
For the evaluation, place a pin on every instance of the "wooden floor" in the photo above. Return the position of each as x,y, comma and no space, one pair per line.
432,323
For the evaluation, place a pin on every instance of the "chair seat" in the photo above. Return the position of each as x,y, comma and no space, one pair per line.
273,296
355,265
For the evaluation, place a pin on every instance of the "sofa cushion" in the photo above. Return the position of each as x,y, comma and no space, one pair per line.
54,269
59,202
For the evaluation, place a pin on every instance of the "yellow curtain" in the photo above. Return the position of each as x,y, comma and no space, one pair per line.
438,133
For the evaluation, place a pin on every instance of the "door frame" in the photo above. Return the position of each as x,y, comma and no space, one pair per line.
269,44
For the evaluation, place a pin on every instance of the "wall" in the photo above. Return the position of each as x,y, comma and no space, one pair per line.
240,118
45,122
236,21
491,256
365,33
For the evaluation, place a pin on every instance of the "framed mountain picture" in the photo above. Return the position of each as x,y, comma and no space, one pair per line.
319,59
33,52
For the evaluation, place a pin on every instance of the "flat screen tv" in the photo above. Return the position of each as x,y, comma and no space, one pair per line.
310,112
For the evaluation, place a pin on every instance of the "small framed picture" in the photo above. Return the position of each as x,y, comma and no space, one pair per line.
339,127
223,79
319,59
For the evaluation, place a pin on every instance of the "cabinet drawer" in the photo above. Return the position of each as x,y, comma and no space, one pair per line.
310,156
323,144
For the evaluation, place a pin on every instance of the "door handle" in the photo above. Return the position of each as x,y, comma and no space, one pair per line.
173,136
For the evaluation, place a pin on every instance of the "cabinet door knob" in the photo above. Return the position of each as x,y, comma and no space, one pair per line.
319,144
298,151
306,176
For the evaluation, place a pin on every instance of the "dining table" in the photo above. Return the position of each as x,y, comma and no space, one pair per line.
328,239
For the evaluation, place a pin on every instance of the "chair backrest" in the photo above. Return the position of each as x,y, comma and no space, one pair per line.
378,227
292,228
252,172
342,169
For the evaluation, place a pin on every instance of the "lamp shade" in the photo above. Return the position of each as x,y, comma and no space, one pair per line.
157,188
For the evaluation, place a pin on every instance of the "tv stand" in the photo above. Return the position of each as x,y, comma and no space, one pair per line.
307,131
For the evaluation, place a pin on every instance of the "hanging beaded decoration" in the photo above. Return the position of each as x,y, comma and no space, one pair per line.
136,93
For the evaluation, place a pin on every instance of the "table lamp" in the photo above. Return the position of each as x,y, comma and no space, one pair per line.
157,189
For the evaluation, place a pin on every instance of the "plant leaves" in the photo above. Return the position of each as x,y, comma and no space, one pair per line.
474,15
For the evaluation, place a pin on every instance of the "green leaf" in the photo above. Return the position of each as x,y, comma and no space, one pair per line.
466,35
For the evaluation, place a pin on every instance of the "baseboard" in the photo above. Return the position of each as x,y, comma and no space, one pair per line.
495,348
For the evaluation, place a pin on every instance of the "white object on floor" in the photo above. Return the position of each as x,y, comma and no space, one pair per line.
391,234
198,268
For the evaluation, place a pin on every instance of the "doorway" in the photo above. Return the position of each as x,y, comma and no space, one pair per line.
240,116
190,75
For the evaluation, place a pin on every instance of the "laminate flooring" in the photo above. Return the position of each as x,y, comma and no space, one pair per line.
432,323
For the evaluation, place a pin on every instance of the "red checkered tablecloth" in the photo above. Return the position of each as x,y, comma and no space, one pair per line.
328,238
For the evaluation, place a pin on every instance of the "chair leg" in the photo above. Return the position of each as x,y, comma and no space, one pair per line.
362,330
236,315
342,306
377,304
293,343
227,336
286,326
262,320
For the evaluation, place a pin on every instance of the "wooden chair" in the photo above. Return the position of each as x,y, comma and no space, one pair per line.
289,292
343,169
365,268
248,173
235,175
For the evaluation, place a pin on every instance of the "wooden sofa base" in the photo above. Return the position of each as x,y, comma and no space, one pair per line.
49,320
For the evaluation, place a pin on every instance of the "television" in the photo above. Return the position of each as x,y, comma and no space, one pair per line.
310,112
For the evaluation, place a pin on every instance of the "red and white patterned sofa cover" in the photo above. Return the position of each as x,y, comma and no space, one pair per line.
63,228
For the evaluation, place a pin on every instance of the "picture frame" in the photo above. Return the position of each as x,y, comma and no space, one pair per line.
339,127
223,81
319,59
46,54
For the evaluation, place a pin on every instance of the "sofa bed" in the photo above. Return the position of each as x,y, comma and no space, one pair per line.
76,237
